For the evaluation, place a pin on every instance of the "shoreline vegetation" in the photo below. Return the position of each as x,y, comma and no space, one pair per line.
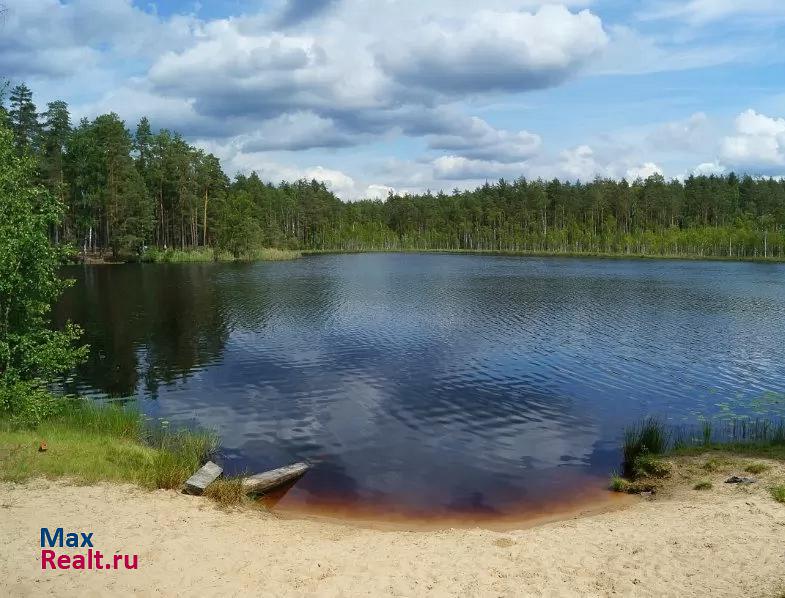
206,255
43,434
654,457
554,254
154,255
86,442
157,256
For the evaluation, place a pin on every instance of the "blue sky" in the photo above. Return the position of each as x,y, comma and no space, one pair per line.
410,95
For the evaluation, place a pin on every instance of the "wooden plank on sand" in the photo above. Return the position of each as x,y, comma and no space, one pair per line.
270,480
206,475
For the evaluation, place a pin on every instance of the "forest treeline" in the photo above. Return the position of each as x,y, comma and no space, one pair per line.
122,190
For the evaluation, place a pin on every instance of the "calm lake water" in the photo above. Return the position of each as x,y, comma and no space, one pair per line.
433,384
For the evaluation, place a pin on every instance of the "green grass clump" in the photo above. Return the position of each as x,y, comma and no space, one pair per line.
704,485
778,492
206,254
648,438
757,468
227,492
90,443
170,256
650,466
619,484
715,464
272,254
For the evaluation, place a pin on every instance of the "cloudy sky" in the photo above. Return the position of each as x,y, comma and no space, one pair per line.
370,95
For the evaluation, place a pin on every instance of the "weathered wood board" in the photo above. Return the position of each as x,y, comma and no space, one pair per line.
206,475
270,480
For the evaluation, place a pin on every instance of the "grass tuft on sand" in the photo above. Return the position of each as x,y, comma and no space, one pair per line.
643,441
757,468
228,492
778,493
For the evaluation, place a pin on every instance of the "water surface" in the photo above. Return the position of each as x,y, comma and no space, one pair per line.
433,385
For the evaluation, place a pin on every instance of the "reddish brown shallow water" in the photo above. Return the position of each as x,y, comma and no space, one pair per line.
590,499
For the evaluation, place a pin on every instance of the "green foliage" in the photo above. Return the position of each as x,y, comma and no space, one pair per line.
649,466
238,231
179,453
778,493
27,403
31,354
707,432
227,492
739,431
703,485
23,118
715,464
645,439
4,84
271,254
154,255
107,191
619,484
89,443
123,192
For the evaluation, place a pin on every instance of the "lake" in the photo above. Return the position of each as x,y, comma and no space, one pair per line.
431,385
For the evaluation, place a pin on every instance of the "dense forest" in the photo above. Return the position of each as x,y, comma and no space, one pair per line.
122,191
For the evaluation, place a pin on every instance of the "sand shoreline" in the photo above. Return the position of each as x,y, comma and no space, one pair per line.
608,502
731,543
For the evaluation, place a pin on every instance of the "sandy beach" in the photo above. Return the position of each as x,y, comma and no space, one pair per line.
729,542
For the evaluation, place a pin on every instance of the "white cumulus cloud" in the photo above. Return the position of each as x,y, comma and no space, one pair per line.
759,141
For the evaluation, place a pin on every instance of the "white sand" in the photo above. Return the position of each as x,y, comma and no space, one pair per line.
729,541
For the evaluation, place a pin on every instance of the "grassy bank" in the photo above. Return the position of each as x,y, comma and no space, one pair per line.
564,254
652,452
88,443
201,255
170,256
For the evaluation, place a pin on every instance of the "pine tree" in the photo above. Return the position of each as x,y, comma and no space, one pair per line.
4,118
23,118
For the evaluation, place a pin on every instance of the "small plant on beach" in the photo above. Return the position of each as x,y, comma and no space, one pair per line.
646,439
713,465
178,454
650,466
778,493
757,468
619,484
704,485
227,492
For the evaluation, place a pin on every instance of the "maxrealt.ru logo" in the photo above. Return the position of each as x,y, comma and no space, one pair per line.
89,559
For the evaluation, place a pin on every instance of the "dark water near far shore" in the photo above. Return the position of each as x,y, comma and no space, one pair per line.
434,384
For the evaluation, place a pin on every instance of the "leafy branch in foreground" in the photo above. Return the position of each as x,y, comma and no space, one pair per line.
31,354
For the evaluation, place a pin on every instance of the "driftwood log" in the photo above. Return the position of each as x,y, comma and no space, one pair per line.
261,483
206,475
